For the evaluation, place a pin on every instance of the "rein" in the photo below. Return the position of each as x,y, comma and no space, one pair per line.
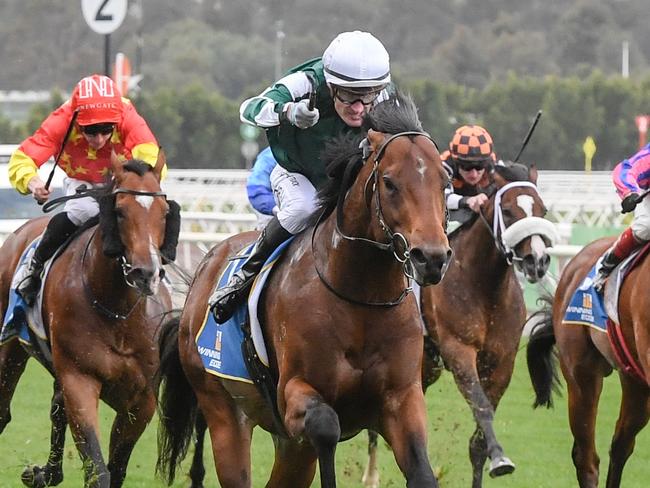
498,226
397,244
125,265
97,305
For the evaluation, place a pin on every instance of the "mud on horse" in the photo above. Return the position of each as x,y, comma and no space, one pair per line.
103,313
342,329
586,356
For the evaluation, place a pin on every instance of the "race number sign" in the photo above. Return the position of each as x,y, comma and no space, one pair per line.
104,16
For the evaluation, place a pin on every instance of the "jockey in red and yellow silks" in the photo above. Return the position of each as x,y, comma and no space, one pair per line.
131,139
95,122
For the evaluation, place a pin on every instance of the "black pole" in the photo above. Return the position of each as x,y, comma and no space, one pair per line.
107,55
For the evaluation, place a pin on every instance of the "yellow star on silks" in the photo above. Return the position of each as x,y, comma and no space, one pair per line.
80,170
115,138
67,167
92,153
104,172
75,136
121,157
66,164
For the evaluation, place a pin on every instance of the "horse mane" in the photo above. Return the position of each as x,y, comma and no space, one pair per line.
396,114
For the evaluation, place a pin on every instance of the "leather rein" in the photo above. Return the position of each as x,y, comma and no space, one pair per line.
125,265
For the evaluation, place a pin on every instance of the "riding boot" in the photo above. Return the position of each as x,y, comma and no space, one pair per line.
622,248
58,230
224,301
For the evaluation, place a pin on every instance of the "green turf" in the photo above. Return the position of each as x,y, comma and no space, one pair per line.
538,442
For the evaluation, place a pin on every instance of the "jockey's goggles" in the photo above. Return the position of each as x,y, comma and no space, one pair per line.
350,97
95,129
470,165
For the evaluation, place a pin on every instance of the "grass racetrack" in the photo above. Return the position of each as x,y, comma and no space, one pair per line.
538,442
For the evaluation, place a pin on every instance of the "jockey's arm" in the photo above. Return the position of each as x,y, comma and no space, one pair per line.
265,109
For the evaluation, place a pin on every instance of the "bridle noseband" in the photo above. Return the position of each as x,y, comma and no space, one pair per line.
124,264
498,228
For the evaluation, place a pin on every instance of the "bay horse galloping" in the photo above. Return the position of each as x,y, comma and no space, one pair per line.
342,330
586,356
475,317
102,315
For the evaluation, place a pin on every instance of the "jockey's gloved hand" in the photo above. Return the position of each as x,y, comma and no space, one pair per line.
630,202
298,114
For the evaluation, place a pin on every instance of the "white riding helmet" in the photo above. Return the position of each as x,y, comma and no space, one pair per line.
356,60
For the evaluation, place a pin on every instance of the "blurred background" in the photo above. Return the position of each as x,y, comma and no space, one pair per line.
188,64
585,63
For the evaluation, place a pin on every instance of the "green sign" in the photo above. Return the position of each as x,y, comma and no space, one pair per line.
248,132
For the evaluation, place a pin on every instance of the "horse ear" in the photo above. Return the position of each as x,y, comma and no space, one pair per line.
117,165
160,163
376,139
532,173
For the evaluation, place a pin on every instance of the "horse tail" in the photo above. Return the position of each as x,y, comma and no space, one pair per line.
542,356
177,405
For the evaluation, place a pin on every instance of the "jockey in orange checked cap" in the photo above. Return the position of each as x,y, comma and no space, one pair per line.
86,129
470,159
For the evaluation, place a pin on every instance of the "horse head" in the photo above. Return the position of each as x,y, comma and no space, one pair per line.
520,229
408,181
134,220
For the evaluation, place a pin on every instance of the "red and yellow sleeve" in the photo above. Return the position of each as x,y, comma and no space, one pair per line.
138,137
21,169
38,148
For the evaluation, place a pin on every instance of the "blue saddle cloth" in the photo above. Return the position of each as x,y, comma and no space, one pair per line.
220,345
587,306
15,322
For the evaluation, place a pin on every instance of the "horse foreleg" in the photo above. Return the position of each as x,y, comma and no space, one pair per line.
81,396
483,443
404,427
127,429
633,416
370,477
52,473
197,470
13,359
307,414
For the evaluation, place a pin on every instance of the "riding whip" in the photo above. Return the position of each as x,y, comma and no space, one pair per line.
58,156
530,133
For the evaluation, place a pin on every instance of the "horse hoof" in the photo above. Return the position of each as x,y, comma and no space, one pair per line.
501,466
36,477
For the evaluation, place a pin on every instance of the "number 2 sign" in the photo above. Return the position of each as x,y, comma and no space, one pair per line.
104,16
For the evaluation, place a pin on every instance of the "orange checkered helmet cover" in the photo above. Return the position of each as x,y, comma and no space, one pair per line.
471,143
97,100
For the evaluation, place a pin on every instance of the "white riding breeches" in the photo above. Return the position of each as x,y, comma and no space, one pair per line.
641,223
79,210
296,199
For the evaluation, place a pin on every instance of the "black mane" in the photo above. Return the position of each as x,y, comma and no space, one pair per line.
396,114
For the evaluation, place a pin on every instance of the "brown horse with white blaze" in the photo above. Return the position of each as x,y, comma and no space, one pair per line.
342,330
102,313
475,317
586,356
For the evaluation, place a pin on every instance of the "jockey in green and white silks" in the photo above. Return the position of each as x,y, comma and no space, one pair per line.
352,75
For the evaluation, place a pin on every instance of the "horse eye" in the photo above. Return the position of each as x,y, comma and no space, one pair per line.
119,213
390,186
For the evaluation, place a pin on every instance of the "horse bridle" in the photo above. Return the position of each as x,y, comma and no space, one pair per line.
498,226
124,264
397,242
